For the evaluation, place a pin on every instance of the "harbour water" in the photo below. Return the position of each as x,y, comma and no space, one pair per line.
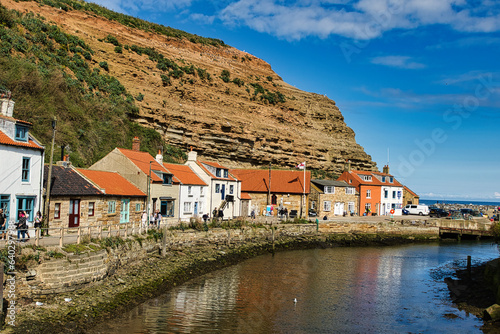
392,289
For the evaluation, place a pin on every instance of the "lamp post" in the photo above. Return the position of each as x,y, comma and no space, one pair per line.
49,181
149,196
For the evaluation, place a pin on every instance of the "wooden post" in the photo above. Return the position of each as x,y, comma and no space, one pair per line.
78,239
37,238
272,235
126,229
109,230
61,236
164,242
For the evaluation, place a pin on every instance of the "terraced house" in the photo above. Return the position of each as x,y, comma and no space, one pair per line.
333,198
21,164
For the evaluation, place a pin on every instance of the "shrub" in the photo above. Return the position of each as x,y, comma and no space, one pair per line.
225,76
118,49
112,39
104,65
165,80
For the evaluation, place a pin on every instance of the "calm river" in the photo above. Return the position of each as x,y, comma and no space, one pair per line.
397,289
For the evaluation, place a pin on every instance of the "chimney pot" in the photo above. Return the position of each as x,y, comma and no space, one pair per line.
136,144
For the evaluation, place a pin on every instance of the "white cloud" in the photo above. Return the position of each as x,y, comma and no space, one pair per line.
359,19
398,61
497,194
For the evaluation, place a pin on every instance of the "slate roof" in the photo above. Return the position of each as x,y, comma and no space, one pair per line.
184,174
282,181
68,182
331,183
112,183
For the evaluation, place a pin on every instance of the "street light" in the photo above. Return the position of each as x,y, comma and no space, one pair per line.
49,181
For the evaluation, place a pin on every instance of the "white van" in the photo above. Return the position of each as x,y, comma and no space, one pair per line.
417,209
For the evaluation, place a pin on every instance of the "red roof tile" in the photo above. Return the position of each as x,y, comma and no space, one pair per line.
216,165
282,181
375,181
112,183
6,140
184,174
245,196
410,191
141,160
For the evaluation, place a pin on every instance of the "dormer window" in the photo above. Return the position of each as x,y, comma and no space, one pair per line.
226,173
218,172
383,179
21,133
391,179
367,178
167,179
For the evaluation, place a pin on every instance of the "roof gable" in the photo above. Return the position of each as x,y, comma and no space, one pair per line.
6,140
142,160
68,182
184,174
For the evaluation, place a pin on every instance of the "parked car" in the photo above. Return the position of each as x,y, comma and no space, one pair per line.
438,212
312,213
417,209
405,212
293,214
470,212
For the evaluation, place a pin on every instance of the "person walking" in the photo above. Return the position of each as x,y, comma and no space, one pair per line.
158,218
3,223
38,222
144,218
22,226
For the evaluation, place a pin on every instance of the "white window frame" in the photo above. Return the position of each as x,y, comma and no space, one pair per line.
327,206
188,207
111,207
217,188
350,191
329,190
368,193
190,191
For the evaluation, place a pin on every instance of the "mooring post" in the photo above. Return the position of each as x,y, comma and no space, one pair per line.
272,235
164,242
469,269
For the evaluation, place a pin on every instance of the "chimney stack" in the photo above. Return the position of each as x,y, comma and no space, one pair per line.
136,144
192,155
6,104
159,158
347,166
385,170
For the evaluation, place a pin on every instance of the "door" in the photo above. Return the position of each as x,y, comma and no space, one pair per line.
5,205
339,208
195,208
125,211
74,213
223,191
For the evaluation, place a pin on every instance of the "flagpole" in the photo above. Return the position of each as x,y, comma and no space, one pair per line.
304,193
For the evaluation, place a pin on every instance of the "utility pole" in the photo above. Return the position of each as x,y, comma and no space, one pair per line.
269,188
49,180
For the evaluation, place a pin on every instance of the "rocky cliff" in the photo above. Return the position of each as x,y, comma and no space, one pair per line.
231,107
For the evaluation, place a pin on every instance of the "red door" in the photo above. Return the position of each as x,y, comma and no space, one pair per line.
74,213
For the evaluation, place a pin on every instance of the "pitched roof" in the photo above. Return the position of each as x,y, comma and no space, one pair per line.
331,183
215,165
142,160
375,178
245,195
410,191
6,140
282,181
112,183
184,174
68,182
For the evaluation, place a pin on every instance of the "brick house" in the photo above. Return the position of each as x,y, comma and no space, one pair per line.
409,197
333,198
286,190
80,197
21,164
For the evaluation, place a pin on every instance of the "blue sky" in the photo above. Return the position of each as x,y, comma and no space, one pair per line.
417,80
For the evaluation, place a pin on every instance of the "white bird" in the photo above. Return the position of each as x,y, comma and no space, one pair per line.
295,300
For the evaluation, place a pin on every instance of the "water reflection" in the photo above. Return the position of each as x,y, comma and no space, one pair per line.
340,290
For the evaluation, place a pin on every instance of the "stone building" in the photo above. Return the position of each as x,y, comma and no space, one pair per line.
333,198
80,197
286,189
409,197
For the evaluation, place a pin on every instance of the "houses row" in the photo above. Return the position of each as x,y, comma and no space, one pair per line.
127,183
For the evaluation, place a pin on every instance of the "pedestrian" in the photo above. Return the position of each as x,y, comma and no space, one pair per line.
3,222
22,226
144,218
38,221
158,218
152,219
252,214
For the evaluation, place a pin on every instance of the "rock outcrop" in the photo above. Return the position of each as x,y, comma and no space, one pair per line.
223,121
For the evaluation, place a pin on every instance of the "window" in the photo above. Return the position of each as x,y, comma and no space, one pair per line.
226,173
167,179
329,190
57,211
91,209
137,206
394,194
167,208
200,204
383,179
386,193
350,206
218,172
368,207
21,133
202,189
327,206
231,189
217,188
26,169
26,203
367,178
187,207
391,179
349,191
274,199
190,191
368,193
111,207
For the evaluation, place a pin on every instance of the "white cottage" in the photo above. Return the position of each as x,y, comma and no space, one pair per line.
21,167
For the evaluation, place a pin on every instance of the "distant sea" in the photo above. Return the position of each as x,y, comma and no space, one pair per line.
433,201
